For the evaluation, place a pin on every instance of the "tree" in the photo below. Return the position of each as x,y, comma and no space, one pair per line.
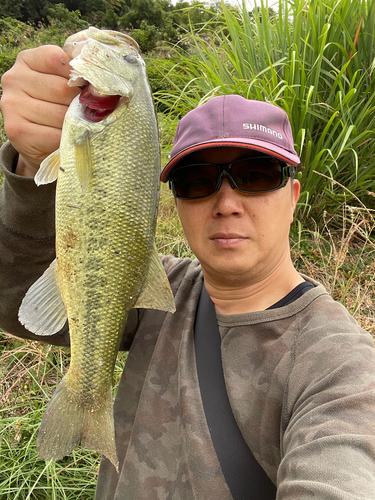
110,20
60,16
11,8
257,12
147,36
32,11
143,10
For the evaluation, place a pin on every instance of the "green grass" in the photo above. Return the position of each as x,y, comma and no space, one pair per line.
30,372
341,256
316,61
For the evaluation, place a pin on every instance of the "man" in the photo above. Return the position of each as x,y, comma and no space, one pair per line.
299,371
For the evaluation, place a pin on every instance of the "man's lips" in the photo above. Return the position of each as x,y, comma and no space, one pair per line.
224,240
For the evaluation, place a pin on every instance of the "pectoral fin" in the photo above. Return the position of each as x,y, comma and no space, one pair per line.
42,310
49,169
83,161
156,292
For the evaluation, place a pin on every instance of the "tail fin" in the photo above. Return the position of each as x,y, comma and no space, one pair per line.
66,423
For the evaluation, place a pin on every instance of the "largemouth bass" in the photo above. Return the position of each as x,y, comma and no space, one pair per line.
107,171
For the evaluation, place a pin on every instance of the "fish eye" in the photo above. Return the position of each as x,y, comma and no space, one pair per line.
131,59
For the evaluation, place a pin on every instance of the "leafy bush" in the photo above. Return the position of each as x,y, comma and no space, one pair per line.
147,36
13,34
16,35
314,59
165,76
11,8
69,21
61,24
110,20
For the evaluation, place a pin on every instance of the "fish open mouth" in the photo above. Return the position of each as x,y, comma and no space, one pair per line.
97,106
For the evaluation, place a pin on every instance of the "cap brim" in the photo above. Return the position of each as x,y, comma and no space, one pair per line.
261,146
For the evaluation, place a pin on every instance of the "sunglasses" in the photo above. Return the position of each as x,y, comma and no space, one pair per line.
249,175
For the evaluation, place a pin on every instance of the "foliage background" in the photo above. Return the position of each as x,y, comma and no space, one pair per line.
316,60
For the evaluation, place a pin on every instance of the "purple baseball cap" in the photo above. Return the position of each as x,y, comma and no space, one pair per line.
232,120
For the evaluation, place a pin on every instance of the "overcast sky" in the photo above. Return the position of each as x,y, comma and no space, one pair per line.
250,3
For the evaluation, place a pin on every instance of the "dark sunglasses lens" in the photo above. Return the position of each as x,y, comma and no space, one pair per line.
195,181
257,174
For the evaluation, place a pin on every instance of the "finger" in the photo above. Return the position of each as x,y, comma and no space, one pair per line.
24,108
36,142
34,101
51,88
47,59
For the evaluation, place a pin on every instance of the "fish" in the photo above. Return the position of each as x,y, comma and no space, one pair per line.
108,182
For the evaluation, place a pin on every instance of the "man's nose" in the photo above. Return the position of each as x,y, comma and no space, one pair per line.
228,201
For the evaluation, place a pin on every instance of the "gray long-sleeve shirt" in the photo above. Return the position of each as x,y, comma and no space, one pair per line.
300,379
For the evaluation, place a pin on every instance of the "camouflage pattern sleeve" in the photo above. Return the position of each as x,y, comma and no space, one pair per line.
301,382
27,243
328,427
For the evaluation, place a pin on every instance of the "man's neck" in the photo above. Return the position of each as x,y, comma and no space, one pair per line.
236,298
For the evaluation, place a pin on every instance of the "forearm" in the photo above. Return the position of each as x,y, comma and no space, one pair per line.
27,242
329,439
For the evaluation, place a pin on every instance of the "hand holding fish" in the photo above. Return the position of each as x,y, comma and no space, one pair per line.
35,99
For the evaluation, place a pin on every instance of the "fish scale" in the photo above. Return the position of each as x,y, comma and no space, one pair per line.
106,260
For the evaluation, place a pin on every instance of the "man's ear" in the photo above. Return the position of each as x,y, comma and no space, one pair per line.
296,189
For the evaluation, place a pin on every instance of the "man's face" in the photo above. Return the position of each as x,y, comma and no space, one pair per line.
239,238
